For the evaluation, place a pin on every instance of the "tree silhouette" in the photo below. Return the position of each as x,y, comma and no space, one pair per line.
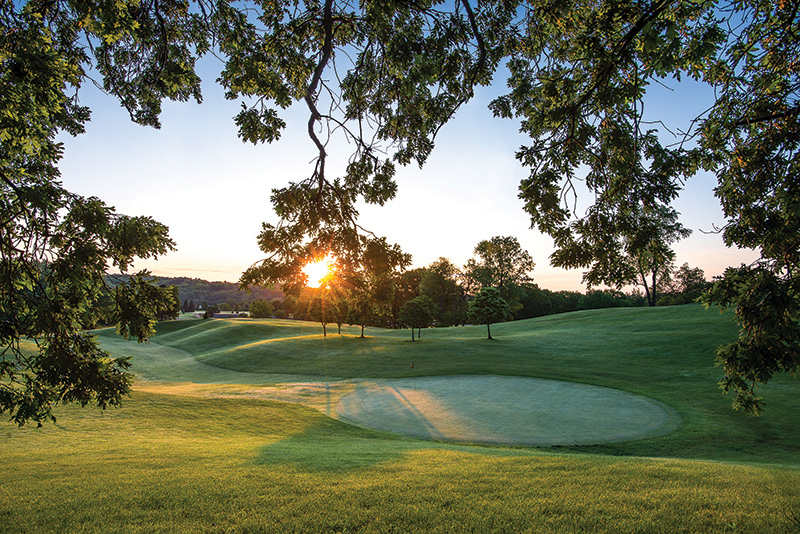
488,308
418,312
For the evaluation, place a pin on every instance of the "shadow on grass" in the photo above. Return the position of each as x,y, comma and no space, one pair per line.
334,446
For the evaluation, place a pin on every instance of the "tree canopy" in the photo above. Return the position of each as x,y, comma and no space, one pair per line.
502,263
686,284
579,76
441,282
261,308
418,312
55,246
385,77
489,307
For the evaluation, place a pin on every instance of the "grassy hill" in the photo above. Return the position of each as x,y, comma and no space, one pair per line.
185,464
620,344
666,353
171,464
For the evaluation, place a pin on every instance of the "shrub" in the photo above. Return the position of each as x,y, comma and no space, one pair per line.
261,308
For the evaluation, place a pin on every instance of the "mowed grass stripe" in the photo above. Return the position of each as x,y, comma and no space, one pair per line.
177,464
582,345
663,353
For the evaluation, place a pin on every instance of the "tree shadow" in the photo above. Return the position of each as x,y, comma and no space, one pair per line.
334,446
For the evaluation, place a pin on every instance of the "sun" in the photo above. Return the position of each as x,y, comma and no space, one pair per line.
318,271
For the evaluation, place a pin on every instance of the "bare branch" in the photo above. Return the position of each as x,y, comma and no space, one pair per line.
311,92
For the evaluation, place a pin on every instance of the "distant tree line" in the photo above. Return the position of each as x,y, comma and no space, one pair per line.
220,293
226,296
385,294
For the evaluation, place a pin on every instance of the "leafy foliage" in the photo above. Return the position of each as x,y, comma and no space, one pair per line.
52,269
339,311
318,311
767,310
503,264
489,307
260,308
171,306
372,285
650,251
418,312
686,285
441,283
55,246
384,76
579,75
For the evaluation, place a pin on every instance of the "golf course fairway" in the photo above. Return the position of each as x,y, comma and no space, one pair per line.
602,421
485,409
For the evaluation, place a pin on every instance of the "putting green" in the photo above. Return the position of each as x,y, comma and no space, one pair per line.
506,410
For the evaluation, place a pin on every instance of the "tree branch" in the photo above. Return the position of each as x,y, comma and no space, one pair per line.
481,64
622,46
785,115
311,92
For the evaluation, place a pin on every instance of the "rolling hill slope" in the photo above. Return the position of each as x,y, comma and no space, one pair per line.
664,353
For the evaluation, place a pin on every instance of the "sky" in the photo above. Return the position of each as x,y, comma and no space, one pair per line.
212,190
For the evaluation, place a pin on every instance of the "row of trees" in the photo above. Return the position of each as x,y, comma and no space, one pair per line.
375,290
441,293
444,293
450,288
384,293
488,307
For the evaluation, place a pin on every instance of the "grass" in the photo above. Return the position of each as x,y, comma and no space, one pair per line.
664,353
188,464
171,464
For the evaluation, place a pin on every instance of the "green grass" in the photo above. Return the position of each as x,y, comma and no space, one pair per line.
170,464
610,346
186,464
664,353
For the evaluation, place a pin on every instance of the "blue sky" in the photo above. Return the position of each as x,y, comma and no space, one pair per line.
212,190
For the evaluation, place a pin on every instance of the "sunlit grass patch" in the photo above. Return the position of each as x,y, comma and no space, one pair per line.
186,465
190,462
664,353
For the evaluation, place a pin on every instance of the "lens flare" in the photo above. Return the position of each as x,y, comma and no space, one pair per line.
318,271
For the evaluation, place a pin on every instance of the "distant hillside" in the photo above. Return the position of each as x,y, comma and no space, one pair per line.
214,293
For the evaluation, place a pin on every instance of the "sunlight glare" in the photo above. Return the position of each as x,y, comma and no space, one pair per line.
318,271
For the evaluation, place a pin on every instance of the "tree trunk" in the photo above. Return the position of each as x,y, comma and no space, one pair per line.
419,333
654,287
362,331
324,331
489,330
646,288
412,333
